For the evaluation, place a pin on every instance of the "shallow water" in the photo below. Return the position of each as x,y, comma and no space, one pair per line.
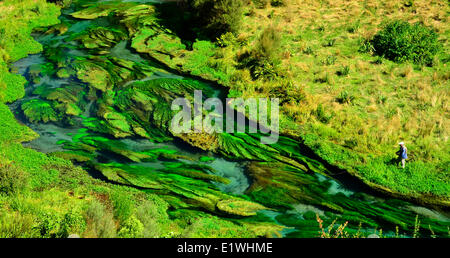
234,172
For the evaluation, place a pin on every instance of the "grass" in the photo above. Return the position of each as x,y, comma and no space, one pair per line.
358,106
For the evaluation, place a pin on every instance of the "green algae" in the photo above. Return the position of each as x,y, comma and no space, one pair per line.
100,37
238,207
76,156
37,110
175,181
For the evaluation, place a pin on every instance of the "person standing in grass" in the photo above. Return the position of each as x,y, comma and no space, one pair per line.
402,154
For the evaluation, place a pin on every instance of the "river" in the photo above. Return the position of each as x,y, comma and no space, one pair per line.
170,166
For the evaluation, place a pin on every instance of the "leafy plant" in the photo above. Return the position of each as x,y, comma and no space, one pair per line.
100,221
330,43
132,227
263,60
345,98
308,50
16,225
366,47
268,45
218,16
401,41
344,71
287,92
330,60
322,115
12,179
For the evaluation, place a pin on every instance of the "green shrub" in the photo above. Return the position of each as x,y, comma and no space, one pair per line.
53,224
344,71
12,179
288,93
330,60
308,50
268,45
322,115
401,41
72,222
366,46
218,16
100,221
264,69
49,225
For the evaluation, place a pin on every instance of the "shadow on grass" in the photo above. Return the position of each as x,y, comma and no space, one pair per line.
177,18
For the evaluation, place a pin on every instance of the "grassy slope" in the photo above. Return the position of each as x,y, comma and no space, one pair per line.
58,198
392,102
388,102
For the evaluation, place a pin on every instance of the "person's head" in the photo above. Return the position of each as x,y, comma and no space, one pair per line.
402,144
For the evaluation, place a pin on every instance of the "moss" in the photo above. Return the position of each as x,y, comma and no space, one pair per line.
76,156
63,73
96,76
38,110
238,207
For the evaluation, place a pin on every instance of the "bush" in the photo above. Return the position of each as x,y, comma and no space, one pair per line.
268,45
100,221
288,93
12,179
150,217
264,59
72,222
49,225
16,225
123,205
401,41
344,71
322,115
218,16
131,228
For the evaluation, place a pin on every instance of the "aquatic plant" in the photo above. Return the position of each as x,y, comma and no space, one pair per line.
39,110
